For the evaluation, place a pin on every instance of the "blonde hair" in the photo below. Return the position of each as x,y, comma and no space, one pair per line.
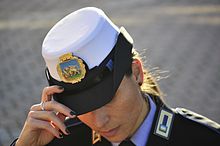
150,84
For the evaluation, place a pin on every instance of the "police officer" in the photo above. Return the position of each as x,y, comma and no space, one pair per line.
100,95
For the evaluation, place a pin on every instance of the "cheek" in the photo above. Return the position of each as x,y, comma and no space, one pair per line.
126,104
129,99
130,109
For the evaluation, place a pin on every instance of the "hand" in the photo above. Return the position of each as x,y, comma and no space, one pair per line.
45,121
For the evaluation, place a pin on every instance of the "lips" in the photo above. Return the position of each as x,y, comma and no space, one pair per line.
109,133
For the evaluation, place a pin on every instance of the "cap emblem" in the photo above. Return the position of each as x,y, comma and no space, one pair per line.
71,69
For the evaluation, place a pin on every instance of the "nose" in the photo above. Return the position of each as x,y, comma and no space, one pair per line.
100,117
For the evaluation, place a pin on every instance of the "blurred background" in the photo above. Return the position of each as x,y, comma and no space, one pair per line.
178,36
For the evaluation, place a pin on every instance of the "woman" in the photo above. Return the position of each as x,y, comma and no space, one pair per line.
108,99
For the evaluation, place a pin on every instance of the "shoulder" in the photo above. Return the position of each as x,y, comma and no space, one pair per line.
192,128
195,117
182,127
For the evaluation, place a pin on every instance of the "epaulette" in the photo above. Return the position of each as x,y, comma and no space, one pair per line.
198,118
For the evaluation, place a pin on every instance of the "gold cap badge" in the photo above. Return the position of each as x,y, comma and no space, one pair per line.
71,69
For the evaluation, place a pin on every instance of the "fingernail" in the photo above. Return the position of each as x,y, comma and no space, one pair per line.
67,131
61,135
72,113
60,87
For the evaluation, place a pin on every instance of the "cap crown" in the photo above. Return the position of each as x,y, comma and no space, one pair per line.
87,33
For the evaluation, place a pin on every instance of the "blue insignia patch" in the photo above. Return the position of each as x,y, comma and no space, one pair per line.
164,124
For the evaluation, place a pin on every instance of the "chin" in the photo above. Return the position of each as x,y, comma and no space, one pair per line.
116,139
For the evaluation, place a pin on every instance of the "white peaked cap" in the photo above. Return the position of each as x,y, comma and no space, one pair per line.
85,33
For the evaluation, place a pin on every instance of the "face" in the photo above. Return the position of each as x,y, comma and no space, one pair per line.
120,118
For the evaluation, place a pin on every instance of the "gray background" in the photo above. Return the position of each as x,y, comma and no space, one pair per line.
182,37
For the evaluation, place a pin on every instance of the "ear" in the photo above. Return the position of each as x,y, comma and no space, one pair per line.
137,71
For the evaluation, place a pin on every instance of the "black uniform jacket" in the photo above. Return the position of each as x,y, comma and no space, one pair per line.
186,129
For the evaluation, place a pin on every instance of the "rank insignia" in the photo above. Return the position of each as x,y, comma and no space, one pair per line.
164,123
95,137
71,69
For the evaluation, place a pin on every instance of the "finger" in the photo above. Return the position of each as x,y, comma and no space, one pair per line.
45,125
49,116
54,106
61,116
49,91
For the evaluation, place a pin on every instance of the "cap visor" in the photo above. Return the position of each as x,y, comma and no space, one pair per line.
89,99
